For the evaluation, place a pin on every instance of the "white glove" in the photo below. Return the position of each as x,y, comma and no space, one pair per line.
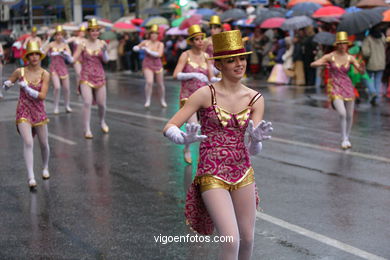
136,48
105,56
215,71
152,53
7,85
192,75
67,56
214,79
177,136
261,132
31,92
254,148
55,53
201,77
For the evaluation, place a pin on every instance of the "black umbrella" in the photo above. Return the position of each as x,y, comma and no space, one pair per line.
324,38
263,14
357,22
233,14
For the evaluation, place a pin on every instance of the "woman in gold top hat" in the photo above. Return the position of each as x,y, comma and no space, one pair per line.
75,41
152,65
59,51
33,38
215,28
194,70
340,88
92,77
223,193
31,118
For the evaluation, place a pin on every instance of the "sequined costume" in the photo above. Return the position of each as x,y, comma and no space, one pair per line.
223,160
152,63
339,84
92,71
31,110
188,87
57,63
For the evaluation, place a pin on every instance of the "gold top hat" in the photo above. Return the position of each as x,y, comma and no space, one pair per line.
33,47
59,29
82,28
153,28
34,29
215,19
93,24
228,44
193,31
342,37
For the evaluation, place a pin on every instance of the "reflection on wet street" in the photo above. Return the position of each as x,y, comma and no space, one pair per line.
108,198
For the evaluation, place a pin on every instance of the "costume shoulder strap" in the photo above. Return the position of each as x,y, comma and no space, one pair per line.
255,98
213,99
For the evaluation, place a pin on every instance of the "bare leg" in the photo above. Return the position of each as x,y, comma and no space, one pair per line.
28,145
101,97
220,207
86,92
56,84
244,201
161,88
43,137
65,86
149,77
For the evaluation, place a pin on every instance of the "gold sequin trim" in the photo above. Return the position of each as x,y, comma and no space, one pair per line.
25,120
182,102
85,82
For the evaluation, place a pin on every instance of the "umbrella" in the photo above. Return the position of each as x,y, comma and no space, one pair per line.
195,19
329,11
279,9
386,16
306,8
205,12
124,27
321,2
296,23
353,9
357,22
23,37
233,14
330,19
245,23
159,20
177,22
156,11
108,35
176,31
371,3
126,19
271,23
263,14
137,21
324,38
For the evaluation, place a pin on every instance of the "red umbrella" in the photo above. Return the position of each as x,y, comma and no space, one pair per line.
321,2
23,37
329,11
271,23
137,21
122,26
194,19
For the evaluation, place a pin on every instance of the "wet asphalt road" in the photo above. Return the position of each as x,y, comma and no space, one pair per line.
108,198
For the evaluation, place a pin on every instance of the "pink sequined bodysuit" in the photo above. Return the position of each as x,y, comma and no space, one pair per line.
188,87
92,71
57,63
222,154
152,63
339,84
31,110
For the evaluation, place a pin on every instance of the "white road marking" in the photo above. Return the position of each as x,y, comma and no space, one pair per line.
61,139
321,238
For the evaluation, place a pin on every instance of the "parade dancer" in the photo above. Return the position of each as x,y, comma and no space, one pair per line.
76,41
223,192
152,65
31,117
215,28
194,71
32,38
92,78
340,88
59,51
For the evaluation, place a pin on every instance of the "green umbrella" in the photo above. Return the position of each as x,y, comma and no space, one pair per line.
178,21
108,35
159,20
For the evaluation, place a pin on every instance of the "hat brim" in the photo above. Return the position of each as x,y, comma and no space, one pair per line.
29,52
195,35
94,27
346,41
230,55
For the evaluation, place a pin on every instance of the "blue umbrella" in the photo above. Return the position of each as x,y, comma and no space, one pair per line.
353,9
243,23
205,12
305,8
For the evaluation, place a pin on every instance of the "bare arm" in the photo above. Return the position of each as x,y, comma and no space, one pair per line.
258,111
78,51
196,101
321,61
180,64
357,66
45,86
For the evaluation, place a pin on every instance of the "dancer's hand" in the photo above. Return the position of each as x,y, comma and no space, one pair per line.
22,84
136,48
31,92
215,79
179,137
152,53
201,77
7,85
55,53
261,132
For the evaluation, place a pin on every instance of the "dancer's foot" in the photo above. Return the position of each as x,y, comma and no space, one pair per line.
68,109
346,144
163,103
45,174
88,135
56,111
187,156
105,128
32,184
373,100
147,104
